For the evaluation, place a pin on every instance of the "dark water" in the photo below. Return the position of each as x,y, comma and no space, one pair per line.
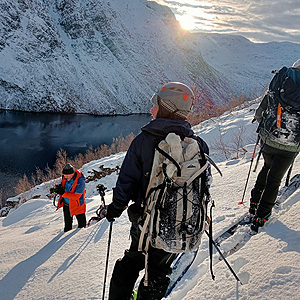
28,140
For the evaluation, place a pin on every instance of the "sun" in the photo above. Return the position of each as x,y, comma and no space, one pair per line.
187,22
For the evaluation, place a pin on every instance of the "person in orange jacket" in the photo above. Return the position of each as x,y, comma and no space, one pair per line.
72,197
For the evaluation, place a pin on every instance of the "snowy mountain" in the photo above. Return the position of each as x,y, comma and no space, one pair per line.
40,261
246,65
107,57
102,57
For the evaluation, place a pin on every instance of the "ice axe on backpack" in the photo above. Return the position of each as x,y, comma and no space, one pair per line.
101,211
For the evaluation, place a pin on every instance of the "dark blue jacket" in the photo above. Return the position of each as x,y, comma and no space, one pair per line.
136,168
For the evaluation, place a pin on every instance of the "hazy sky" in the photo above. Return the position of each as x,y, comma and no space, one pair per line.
258,20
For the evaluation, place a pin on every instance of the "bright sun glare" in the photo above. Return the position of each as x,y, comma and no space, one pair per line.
186,22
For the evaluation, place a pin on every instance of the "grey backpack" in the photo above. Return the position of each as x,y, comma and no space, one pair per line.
175,211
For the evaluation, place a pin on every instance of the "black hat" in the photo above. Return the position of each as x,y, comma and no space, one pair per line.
68,169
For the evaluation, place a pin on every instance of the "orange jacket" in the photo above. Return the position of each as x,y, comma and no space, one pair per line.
76,195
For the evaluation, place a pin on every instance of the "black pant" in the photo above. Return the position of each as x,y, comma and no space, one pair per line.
126,272
81,219
264,193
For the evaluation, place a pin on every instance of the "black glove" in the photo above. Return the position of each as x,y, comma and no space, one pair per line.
135,213
112,212
58,189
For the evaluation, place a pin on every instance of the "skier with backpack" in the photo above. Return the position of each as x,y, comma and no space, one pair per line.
150,177
279,131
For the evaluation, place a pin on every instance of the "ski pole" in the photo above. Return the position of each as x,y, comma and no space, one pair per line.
257,160
107,257
223,257
252,159
289,175
291,167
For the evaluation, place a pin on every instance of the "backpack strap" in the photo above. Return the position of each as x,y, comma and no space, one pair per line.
192,178
145,229
169,157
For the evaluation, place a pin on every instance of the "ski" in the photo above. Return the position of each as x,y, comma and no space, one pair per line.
287,191
180,267
245,219
244,224
184,260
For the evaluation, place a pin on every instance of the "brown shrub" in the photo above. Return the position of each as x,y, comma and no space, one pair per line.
119,144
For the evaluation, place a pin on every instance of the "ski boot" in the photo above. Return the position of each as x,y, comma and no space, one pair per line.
257,222
252,208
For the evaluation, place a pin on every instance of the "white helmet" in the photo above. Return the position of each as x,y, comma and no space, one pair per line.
176,97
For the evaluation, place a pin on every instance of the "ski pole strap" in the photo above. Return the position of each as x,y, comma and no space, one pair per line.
210,242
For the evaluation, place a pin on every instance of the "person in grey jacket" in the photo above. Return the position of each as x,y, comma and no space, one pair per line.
278,156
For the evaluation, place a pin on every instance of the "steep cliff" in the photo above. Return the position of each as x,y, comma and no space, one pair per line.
96,56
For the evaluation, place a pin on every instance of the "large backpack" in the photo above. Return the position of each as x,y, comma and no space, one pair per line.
285,87
175,211
281,119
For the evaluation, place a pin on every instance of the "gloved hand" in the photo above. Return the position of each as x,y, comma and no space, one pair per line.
135,213
112,213
58,189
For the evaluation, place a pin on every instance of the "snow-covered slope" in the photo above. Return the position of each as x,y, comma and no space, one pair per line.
39,261
246,65
102,57
107,57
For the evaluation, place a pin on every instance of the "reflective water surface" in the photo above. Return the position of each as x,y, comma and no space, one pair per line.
28,140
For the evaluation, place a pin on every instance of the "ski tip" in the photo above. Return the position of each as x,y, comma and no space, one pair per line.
239,203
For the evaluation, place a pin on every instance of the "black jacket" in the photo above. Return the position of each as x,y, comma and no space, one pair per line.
136,168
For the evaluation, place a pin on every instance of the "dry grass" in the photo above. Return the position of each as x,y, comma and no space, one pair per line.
205,110
119,144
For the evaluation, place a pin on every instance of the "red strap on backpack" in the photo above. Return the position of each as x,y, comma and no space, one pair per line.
278,119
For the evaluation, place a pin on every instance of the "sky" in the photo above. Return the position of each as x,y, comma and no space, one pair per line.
39,261
257,20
